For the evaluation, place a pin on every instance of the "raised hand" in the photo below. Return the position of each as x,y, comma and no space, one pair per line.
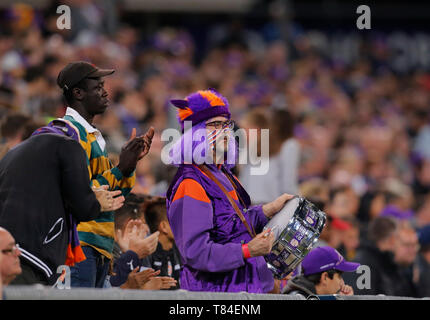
134,150
147,138
141,245
134,238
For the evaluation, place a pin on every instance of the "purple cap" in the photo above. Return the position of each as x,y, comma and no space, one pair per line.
326,258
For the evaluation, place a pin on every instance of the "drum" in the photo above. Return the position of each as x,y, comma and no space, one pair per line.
296,228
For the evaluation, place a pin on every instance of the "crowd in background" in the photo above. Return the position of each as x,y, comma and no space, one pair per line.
360,133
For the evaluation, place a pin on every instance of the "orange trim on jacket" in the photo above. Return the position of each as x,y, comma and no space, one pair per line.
192,189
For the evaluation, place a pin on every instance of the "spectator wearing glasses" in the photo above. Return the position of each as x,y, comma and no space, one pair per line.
378,253
321,274
10,266
405,255
219,235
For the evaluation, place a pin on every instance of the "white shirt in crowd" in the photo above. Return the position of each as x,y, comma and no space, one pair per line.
281,177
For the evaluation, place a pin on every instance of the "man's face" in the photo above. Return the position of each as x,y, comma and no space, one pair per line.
214,128
344,204
351,238
96,98
330,286
334,285
10,266
406,247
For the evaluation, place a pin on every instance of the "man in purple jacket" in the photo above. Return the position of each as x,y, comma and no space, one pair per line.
220,252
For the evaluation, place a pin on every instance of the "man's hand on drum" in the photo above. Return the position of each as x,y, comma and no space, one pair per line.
272,208
261,244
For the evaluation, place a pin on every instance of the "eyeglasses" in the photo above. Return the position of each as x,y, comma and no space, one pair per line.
412,245
12,250
221,124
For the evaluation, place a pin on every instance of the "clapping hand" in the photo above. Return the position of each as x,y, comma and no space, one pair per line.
109,200
137,280
159,283
134,238
134,150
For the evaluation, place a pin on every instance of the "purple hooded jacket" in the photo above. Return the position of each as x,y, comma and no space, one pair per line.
209,234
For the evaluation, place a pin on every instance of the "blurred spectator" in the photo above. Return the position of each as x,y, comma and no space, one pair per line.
92,17
166,257
286,150
343,203
321,274
422,139
350,239
407,245
423,263
399,203
282,159
421,184
15,128
10,266
422,216
405,255
260,187
371,205
378,254
336,229
317,189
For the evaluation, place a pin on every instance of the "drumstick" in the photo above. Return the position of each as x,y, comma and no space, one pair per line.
267,233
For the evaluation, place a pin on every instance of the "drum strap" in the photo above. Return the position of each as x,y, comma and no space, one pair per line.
234,205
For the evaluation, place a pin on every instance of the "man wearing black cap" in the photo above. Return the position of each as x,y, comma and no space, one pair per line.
83,89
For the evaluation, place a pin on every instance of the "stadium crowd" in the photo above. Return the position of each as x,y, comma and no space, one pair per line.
355,137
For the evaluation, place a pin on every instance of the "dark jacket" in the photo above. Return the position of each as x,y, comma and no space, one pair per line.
385,276
169,262
42,180
423,285
302,286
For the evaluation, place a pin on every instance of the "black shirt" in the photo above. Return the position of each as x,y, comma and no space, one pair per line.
168,262
42,181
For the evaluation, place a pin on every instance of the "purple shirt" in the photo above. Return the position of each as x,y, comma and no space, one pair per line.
209,234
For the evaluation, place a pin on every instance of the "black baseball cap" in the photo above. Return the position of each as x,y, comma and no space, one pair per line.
77,71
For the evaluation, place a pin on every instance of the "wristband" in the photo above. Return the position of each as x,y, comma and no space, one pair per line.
245,250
